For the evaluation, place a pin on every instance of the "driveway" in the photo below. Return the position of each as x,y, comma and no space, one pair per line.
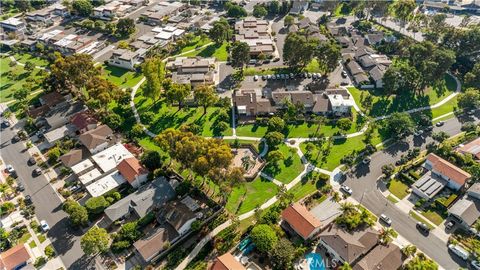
48,205
326,211
366,191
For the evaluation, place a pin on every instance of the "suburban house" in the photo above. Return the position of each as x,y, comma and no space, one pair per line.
226,262
15,258
84,121
194,71
141,202
298,218
251,103
388,257
256,34
48,102
115,8
156,14
127,59
68,44
307,26
73,157
97,139
472,148
180,215
348,246
440,174
13,25
467,209
298,7
133,171
151,245
47,14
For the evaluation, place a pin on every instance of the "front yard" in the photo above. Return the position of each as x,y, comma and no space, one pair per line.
214,50
121,77
398,188
250,195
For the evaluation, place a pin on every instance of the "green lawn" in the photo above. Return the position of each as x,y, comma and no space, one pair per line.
25,238
169,117
313,66
32,244
433,216
307,186
42,238
287,169
398,188
250,195
195,43
213,50
255,144
449,106
13,78
392,199
383,105
301,130
420,218
25,57
121,77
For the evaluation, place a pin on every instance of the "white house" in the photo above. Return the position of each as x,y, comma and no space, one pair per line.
455,176
126,59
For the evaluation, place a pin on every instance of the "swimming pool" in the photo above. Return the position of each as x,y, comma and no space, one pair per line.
315,261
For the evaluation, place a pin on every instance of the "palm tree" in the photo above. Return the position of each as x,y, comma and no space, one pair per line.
387,235
409,250
345,266
347,207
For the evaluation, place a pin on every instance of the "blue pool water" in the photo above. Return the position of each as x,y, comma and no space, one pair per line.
315,261
244,243
248,249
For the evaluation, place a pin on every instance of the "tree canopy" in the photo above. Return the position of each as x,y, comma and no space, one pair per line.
220,31
240,54
125,27
264,237
94,241
399,124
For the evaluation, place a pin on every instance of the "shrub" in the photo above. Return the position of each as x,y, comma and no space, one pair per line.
119,246
49,251
40,261
96,205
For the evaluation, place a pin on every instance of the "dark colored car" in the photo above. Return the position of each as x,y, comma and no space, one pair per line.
28,200
37,172
423,227
20,187
15,139
31,161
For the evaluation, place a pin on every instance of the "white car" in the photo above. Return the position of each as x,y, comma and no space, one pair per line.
44,226
366,160
386,219
9,168
346,189
255,78
459,251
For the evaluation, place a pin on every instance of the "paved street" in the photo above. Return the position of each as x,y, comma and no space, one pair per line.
366,191
48,205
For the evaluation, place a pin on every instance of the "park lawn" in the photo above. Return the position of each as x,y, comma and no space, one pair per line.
121,77
248,196
9,85
213,50
287,169
255,144
398,188
433,216
306,187
25,57
195,43
169,117
383,105
448,107
301,130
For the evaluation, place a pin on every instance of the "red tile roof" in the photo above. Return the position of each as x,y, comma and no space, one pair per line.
300,219
83,119
446,168
472,147
14,257
130,168
227,262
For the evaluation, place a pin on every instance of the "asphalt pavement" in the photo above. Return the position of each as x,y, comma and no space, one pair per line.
366,190
48,205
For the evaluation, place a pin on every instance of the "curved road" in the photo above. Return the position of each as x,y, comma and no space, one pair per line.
366,190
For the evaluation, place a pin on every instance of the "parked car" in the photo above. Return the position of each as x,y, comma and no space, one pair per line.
428,128
276,59
20,187
450,225
5,124
344,74
386,219
346,189
366,160
31,161
9,169
418,132
343,83
37,172
470,112
264,77
459,251
255,78
15,139
309,75
423,227
44,226
475,265
28,200
439,124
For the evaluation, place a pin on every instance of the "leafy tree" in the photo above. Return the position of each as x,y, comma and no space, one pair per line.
440,136
153,70
344,124
101,89
113,120
240,54
125,27
275,156
472,78
151,160
274,7
400,124
264,237
470,99
400,76
421,262
328,54
29,66
276,124
273,139
136,131
409,250
282,255
77,213
403,10
236,11
22,5
205,96
387,235
259,11
129,231
96,205
298,50
176,93
288,20
220,31
82,7
53,154
21,94
388,170
95,241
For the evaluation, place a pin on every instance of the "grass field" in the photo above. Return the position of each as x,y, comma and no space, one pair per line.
433,216
169,117
250,195
195,43
287,169
306,187
13,78
121,77
25,57
383,105
398,188
213,50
